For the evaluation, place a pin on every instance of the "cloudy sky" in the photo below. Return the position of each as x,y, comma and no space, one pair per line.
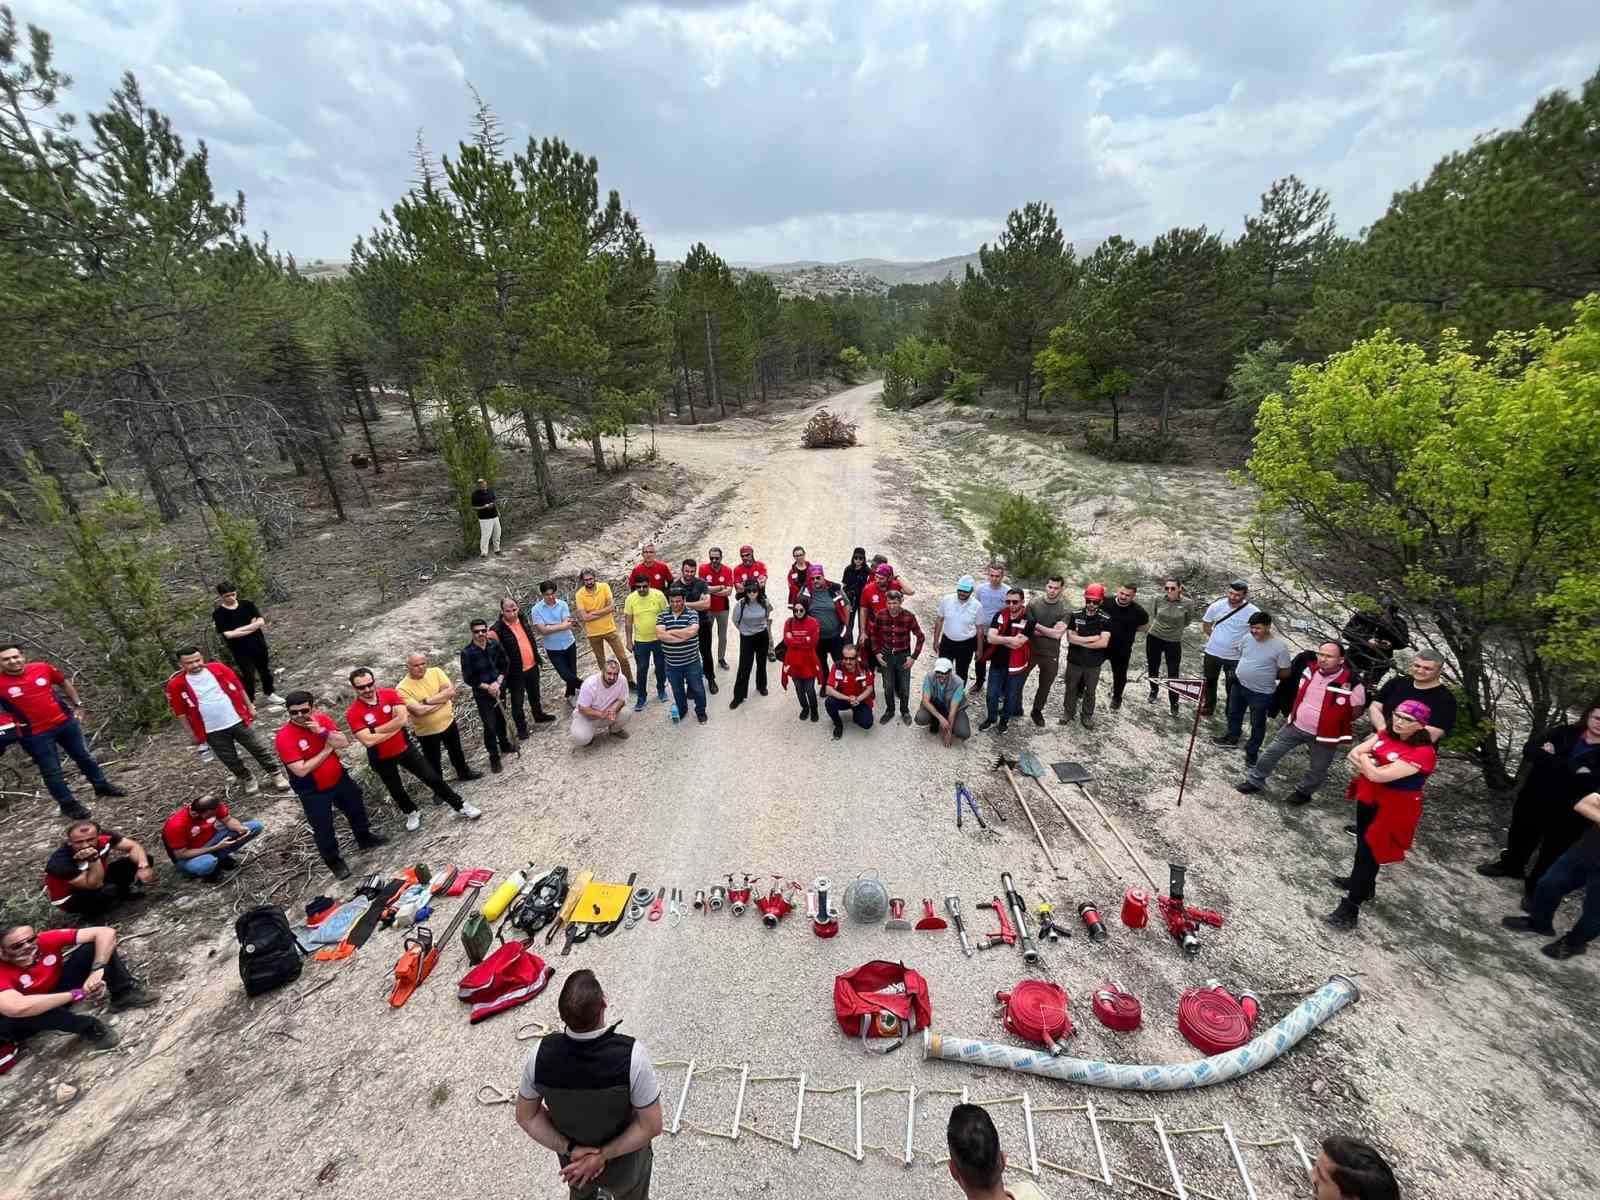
831,129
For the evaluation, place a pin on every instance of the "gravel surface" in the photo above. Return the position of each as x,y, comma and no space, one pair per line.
1469,1059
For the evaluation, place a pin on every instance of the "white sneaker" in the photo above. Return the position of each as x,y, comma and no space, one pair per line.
469,811
413,822
251,787
281,782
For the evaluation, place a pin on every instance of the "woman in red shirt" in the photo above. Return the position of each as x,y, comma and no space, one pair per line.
1391,768
800,636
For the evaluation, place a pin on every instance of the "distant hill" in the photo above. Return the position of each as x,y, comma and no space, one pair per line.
879,268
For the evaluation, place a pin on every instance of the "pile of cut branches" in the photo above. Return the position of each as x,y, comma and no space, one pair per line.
825,431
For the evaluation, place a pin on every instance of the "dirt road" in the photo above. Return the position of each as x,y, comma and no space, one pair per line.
324,1090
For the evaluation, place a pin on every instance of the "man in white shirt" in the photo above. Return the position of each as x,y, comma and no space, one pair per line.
955,629
1226,626
602,705
213,702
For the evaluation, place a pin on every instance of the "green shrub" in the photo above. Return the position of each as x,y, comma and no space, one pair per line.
1026,536
852,365
244,556
964,388
1136,447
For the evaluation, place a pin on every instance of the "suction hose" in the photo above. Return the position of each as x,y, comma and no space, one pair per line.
1171,1077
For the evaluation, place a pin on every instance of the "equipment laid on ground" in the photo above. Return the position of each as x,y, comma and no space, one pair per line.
739,897
1047,925
1135,908
930,921
897,914
675,908
1206,1072
644,901
659,904
823,921
952,905
1037,1012
963,794
269,954
568,907
1028,763
411,973
1183,922
866,899
1005,764
774,906
699,899
541,901
1019,916
718,895
500,899
512,975
1090,916
882,1000
1005,935
1078,775
1214,1020
603,903
1115,1008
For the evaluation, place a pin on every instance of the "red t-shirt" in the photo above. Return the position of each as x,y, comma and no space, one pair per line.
295,743
800,648
718,576
658,573
850,684
875,599
362,715
33,695
185,831
63,868
757,570
40,978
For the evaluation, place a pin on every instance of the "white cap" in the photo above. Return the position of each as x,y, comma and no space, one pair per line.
942,665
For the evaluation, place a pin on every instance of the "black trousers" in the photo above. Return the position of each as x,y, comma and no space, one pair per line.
388,770
76,967
959,653
1048,669
524,683
120,874
496,738
1364,875
753,649
1543,828
708,660
830,648
446,741
1118,657
565,663
319,806
1214,667
249,666
806,691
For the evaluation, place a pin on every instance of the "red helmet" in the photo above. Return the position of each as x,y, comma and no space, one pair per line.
1095,591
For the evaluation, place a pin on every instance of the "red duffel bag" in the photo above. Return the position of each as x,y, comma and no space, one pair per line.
882,1000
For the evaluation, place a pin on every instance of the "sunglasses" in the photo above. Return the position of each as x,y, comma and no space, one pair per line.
22,945
299,712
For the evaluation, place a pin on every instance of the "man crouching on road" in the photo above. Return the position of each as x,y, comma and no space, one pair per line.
591,1095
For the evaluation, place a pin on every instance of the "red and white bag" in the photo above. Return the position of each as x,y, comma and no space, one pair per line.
512,975
882,1000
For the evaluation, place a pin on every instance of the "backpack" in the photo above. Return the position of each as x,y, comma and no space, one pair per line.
882,999
269,954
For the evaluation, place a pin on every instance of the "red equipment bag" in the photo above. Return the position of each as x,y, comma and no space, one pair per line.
8,1056
512,975
882,1000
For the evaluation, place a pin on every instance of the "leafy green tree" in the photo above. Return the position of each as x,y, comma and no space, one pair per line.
709,304
1027,537
1467,484
1091,359
1180,316
1279,259
852,365
1257,374
759,303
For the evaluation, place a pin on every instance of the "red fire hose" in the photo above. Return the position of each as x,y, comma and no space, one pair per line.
1215,1021
1116,1008
1037,1011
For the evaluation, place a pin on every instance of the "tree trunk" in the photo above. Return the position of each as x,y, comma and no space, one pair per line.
541,467
600,453
488,421
550,434
761,369
1116,418
366,429
139,441
1164,413
180,435
714,390
327,477
423,442
370,402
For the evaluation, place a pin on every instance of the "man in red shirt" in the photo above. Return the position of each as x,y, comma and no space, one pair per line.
202,837
875,595
379,718
849,689
720,580
309,746
212,701
652,568
45,726
84,878
749,568
44,975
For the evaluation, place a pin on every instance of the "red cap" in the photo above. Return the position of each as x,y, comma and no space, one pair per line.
747,549
1095,591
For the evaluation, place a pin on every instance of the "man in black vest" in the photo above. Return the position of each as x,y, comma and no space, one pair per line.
591,1095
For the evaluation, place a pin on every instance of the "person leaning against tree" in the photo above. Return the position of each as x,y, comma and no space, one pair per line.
598,615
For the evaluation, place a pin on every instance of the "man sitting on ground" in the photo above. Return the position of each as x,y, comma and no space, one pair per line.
198,846
44,975
591,1094
84,879
1351,1170
602,705
944,703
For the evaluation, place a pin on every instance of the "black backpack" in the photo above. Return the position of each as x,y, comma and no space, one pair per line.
269,955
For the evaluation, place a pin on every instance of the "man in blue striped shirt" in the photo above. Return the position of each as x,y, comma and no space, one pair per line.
679,632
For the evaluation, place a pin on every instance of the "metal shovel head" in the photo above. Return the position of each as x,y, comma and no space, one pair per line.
1030,765
1071,772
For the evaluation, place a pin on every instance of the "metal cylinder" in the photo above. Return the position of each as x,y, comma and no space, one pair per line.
700,898
718,894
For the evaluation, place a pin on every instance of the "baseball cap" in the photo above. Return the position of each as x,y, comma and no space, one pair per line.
965,584
1239,585
747,549
943,666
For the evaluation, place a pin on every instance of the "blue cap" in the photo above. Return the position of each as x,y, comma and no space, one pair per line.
965,584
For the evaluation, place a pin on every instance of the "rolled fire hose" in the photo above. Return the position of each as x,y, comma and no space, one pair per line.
1117,1009
1213,1020
1169,1077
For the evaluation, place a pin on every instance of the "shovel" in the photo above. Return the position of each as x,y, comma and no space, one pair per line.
929,920
1005,764
1078,775
1030,766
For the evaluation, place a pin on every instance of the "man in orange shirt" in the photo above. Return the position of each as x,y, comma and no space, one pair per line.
515,635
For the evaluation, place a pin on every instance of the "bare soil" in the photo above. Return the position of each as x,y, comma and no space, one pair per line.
1470,1059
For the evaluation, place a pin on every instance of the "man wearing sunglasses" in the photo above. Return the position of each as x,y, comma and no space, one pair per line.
484,667
309,746
720,580
849,689
45,976
380,721
1008,644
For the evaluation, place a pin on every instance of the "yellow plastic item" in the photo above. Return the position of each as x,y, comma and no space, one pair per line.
574,894
502,896
602,903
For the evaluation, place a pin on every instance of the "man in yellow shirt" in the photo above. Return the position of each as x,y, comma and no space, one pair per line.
599,617
640,612
430,700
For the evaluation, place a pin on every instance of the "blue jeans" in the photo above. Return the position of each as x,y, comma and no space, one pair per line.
644,653
202,865
1571,871
689,679
45,749
1239,699
1003,695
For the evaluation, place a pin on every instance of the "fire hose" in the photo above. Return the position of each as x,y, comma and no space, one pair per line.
1213,1020
1166,1077
1117,1009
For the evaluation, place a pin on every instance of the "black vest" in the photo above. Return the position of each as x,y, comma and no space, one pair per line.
584,1086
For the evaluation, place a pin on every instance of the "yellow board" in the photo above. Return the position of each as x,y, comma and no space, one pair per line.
602,903
574,894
